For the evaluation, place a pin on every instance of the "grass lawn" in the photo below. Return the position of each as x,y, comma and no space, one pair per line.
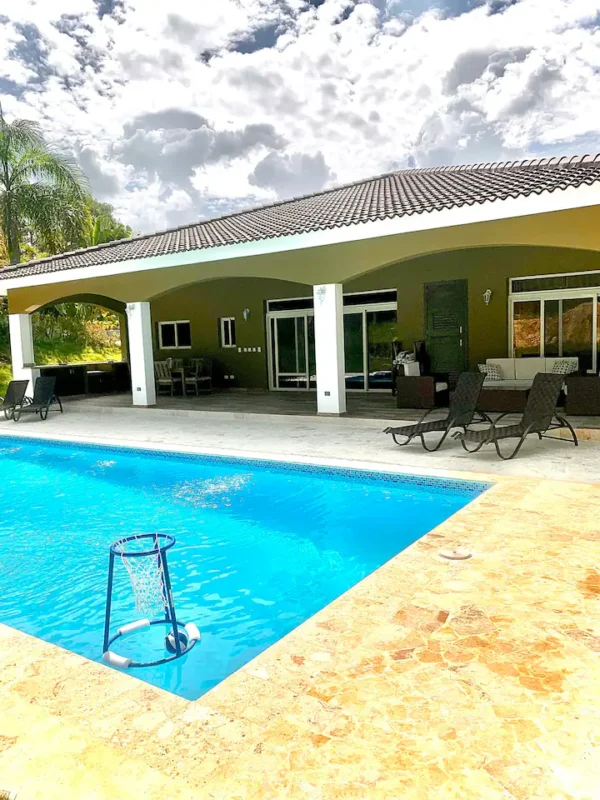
55,352
5,376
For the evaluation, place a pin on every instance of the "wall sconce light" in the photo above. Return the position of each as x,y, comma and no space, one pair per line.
246,314
487,296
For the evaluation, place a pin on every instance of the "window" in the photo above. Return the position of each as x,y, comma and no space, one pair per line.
526,329
556,317
174,335
577,329
353,299
548,283
227,332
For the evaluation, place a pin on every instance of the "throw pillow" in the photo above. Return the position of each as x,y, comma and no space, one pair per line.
404,357
564,366
492,372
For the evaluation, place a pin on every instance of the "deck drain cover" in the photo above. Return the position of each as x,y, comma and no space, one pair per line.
460,554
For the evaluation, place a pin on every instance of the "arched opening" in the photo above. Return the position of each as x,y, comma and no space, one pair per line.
82,341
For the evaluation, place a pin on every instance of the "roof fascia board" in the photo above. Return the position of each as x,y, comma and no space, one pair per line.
545,202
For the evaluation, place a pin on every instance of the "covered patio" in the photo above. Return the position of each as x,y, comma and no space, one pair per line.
380,405
500,252
373,408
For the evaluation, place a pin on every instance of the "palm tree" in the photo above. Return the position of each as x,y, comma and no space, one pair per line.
101,225
42,192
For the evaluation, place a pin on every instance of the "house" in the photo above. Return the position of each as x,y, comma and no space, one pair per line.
478,261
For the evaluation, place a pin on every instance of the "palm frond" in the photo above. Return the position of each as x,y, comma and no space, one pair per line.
18,136
58,217
43,165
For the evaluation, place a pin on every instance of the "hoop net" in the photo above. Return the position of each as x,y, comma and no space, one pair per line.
146,576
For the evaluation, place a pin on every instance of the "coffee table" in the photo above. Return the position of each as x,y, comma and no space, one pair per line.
422,391
583,395
499,399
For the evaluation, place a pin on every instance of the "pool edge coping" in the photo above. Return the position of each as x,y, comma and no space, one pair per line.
483,479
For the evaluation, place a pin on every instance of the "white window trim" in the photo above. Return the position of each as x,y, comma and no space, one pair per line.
222,321
176,346
296,311
556,275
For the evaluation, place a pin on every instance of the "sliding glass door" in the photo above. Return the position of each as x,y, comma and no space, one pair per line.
369,331
555,326
354,349
381,332
290,352
577,328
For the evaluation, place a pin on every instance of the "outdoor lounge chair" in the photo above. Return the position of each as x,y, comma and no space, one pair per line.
462,410
43,397
538,417
15,395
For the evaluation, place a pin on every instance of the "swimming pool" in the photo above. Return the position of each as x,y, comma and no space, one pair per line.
260,547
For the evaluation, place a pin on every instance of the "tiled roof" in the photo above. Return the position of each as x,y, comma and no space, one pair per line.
403,193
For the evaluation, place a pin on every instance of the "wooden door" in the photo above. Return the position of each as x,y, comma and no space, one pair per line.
446,323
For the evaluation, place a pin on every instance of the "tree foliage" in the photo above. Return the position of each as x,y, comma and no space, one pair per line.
101,225
46,209
42,192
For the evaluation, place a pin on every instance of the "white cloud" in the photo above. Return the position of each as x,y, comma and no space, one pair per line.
285,96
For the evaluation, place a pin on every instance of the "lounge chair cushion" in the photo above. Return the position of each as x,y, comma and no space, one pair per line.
507,384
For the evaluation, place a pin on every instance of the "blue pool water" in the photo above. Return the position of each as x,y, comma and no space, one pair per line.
260,547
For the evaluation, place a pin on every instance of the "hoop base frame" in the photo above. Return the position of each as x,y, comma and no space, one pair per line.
192,636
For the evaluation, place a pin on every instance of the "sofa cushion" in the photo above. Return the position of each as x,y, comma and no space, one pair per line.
511,384
507,366
412,369
528,368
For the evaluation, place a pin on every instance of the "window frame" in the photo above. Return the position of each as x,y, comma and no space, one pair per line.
587,293
232,339
175,323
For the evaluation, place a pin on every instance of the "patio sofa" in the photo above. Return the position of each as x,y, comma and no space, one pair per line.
518,373
510,391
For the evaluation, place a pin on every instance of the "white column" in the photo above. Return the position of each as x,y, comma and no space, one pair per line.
329,348
21,349
141,361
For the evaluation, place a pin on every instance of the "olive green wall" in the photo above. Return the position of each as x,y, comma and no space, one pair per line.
205,303
483,268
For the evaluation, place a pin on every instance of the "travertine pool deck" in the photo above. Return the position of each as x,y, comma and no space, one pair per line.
474,680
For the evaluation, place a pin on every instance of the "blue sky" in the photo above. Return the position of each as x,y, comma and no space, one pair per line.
181,110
